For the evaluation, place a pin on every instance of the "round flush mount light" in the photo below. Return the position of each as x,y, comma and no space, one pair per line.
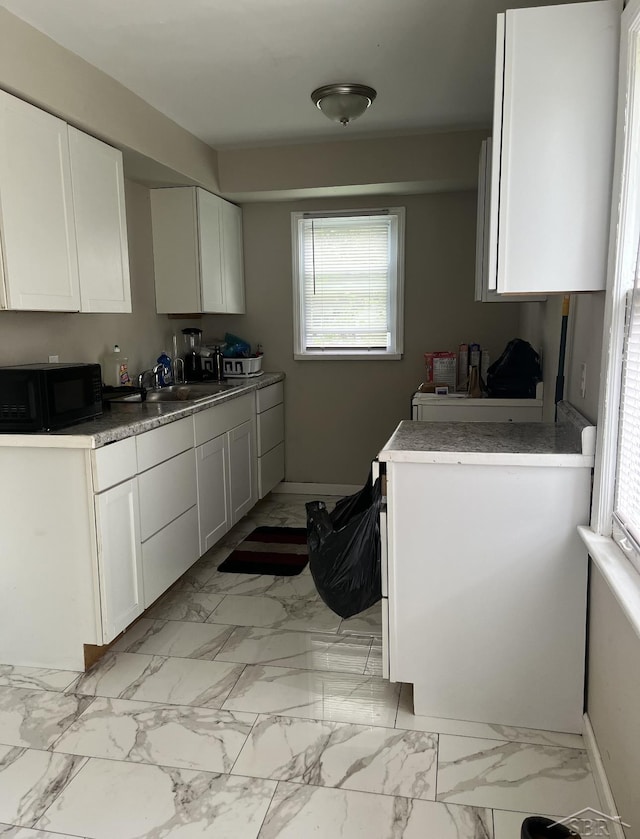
343,102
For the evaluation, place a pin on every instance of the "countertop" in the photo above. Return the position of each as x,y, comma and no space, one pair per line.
126,419
569,442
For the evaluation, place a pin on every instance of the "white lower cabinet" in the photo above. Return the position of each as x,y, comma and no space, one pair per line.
116,526
270,434
168,517
169,553
226,466
242,470
485,575
166,491
119,557
212,466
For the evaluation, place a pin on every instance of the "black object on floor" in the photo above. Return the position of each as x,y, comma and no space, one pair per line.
344,550
281,551
537,827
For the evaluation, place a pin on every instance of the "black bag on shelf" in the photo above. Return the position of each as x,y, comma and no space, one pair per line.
344,550
516,373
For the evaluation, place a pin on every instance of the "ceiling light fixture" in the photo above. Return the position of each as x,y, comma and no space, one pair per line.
343,102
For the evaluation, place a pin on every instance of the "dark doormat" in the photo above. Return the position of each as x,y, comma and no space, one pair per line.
281,551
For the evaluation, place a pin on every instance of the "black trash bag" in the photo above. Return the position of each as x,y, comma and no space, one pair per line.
516,373
352,505
345,561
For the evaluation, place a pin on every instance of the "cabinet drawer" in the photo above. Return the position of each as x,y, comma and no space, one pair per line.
267,397
166,492
155,446
113,464
168,554
270,429
270,470
215,421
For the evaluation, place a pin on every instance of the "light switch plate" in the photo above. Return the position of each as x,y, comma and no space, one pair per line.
583,380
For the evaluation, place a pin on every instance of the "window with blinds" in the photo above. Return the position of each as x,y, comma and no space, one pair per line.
627,491
348,281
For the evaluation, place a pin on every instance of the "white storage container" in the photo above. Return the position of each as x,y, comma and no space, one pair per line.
242,367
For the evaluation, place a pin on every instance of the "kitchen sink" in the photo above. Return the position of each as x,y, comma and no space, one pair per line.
192,392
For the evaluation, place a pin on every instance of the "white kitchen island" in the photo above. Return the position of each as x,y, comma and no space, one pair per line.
484,575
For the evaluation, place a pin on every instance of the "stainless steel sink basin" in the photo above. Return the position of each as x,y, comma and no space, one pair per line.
187,393
182,393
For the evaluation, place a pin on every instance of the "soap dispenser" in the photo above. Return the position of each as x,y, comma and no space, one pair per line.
116,368
166,372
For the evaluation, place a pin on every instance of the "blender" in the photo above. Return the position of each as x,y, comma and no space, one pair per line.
192,338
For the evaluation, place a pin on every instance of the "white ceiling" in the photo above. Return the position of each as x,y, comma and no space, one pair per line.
238,72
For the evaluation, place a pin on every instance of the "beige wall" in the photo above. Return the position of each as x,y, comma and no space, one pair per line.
33,336
435,162
586,348
540,324
612,698
37,69
339,414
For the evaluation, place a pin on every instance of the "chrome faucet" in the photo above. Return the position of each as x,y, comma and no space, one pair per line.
142,376
157,376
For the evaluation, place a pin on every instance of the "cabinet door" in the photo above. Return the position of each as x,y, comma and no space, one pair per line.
212,286
176,260
556,153
232,257
214,506
36,210
242,469
101,230
119,557
166,491
487,237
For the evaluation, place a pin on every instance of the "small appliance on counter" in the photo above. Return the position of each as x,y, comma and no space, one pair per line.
46,397
192,354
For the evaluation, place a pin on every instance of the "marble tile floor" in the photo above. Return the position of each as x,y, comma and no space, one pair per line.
240,707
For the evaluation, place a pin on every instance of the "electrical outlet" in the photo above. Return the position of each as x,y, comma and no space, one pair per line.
54,359
583,380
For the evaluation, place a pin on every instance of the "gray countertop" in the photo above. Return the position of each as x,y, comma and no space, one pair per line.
126,419
532,443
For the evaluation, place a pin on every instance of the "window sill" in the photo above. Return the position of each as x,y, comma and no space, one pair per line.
347,356
619,573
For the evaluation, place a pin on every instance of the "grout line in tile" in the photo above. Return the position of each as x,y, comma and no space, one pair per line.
246,740
92,700
266,812
81,766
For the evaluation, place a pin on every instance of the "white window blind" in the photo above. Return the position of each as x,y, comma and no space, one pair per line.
348,284
627,495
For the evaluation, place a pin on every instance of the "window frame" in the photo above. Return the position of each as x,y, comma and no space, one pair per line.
623,252
300,352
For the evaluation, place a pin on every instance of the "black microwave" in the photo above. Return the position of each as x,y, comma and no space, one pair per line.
45,397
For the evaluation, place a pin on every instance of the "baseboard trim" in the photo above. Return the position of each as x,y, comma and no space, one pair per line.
600,778
294,488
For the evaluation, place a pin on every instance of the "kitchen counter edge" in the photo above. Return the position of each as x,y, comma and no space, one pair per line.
480,443
125,420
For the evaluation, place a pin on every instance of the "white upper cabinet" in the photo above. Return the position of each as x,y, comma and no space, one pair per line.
552,157
197,249
40,263
101,230
483,294
232,257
